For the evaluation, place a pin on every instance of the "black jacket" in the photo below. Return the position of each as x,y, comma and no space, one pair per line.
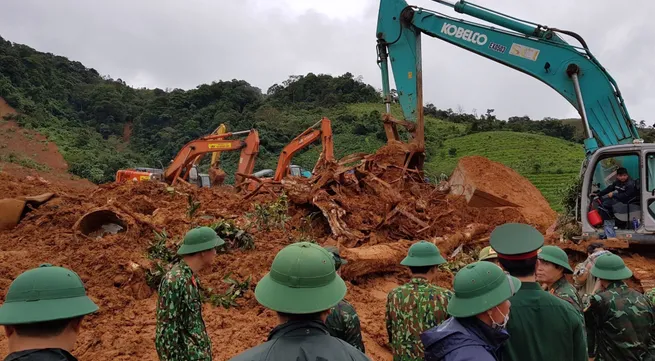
44,354
463,339
624,191
301,341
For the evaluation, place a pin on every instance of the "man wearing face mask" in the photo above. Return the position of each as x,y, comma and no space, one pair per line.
417,305
543,327
480,311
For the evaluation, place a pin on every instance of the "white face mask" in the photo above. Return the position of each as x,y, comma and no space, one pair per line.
499,326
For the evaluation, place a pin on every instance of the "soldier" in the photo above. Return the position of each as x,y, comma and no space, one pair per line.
543,326
488,254
181,333
343,322
417,305
552,264
620,320
480,310
302,287
42,314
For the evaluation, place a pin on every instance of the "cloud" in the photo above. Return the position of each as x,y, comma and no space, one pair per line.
168,44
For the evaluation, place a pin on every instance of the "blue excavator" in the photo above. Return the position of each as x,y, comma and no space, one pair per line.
542,52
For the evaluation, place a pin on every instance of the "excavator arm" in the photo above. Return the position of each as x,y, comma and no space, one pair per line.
306,138
533,49
212,143
216,156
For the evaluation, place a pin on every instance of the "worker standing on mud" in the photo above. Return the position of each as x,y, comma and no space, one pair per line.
488,254
543,327
181,333
480,310
620,320
343,322
42,314
552,264
417,305
302,287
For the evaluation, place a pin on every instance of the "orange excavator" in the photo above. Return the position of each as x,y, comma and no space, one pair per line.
304,139
183,167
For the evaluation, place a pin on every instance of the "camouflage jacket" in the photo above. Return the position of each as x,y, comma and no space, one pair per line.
343,323
181,333
651,296
412,308
564,290
620,324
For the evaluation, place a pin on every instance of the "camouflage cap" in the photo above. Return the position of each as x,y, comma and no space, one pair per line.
555,255
610,267
200,239
338,261
423,253
302,280
479,287
516,241
487,253
45,293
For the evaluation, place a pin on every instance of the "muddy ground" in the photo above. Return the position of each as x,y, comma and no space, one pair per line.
372,217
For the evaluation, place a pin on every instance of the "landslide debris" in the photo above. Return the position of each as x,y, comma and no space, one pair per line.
373,207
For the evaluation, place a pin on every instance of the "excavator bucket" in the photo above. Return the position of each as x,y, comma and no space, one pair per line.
12,210
100,222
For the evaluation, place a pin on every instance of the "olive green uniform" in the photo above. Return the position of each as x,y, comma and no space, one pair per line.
542,327
551,323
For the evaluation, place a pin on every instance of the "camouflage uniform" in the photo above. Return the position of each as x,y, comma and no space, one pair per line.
343,323
620,324
564,290
181,333
412,309
651,296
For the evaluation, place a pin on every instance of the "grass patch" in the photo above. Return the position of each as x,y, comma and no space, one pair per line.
23,161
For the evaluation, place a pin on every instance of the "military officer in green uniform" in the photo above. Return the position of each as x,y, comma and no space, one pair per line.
417,305
620,320
552,265
488,254
343,322
543,327
181,333
302,287
42,314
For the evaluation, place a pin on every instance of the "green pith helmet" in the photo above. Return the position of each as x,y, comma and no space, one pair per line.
302,280
610,267
338,261
487,253
555,255
514,239
423,253
200,239
479,287
45,293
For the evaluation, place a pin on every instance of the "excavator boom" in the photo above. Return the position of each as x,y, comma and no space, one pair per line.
186,156
533,49
306,138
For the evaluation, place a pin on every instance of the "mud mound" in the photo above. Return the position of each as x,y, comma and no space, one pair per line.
485,183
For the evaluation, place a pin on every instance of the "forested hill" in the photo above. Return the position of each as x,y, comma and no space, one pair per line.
100,124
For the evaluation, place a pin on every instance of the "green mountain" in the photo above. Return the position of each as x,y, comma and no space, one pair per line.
101,125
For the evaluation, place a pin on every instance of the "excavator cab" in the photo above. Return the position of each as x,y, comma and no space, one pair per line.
634,219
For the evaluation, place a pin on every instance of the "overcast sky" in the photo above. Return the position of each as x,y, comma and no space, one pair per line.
173,43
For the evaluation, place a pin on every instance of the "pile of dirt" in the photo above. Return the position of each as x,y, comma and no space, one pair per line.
373,211
486,183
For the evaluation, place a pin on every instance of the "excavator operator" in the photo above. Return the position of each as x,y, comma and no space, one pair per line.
617,194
